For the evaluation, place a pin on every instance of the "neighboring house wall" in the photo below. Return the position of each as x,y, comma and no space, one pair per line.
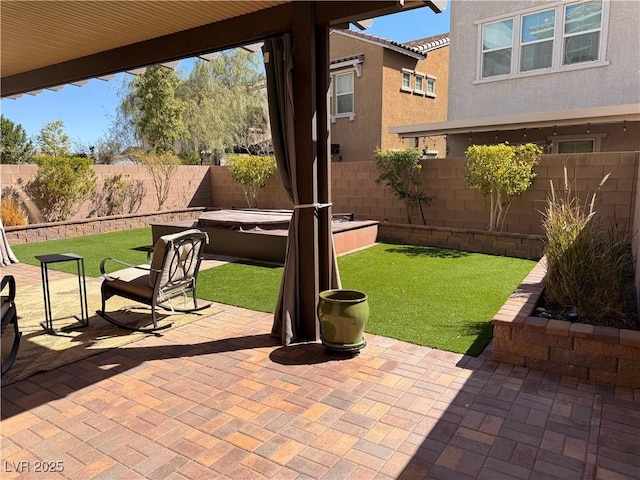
359,137
616,81
400,107
380,101
587,104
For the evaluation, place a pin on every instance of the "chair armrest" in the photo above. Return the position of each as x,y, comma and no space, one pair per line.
12,286
105,274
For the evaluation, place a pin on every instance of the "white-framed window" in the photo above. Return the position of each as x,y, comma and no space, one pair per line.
581,34
431,86
536,40
419,83
588,143
566,36
497,42
341,92
406,80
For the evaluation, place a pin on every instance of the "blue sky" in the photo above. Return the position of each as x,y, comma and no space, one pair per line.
88,111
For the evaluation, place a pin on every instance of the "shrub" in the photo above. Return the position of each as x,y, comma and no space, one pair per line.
588,263
399,170
251,172
119,195
161,167
12,213
501,172
61,185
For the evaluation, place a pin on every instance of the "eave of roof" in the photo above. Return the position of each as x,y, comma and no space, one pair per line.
430,43
594,115
383,42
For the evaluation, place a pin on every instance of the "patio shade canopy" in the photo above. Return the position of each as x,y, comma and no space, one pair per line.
46,44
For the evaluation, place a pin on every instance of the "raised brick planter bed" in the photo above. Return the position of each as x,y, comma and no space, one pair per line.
602,354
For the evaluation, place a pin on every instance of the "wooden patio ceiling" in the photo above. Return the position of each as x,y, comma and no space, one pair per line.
49,43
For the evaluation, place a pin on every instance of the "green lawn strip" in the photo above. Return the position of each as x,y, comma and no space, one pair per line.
128,246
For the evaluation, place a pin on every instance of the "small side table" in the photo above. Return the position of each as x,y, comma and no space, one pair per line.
45,260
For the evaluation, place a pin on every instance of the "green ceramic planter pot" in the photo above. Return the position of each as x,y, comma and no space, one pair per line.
343,315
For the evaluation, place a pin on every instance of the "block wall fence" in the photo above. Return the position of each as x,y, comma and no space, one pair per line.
454,205
191,186
354,190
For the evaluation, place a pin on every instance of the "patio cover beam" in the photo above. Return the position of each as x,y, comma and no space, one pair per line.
176,46
217,36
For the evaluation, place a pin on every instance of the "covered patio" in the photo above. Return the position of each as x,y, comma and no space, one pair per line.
71,42
220,398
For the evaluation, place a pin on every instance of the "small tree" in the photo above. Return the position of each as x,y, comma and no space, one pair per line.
399,170
161,167
152,105
501,172
53,141
251,172
15,147
61,185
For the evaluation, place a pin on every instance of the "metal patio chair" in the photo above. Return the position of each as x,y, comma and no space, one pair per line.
9,316
173,271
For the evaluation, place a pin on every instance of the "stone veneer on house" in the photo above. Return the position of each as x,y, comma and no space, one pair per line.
603,354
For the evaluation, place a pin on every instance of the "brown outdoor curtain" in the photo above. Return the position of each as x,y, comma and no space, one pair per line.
279,66
6,254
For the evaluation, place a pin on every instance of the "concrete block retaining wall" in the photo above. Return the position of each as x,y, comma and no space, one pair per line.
454,205
90,226
494,243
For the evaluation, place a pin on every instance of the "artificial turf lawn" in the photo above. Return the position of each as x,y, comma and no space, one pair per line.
130,246
436,297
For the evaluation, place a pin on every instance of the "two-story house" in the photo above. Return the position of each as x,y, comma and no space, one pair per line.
377,83
562,74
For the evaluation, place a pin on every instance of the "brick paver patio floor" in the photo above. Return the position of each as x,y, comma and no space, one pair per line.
218,398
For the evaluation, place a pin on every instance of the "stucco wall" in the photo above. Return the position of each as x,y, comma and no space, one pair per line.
617,83
358,138
379,103
403,108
